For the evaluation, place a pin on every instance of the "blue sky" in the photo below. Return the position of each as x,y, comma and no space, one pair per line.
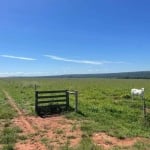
53,37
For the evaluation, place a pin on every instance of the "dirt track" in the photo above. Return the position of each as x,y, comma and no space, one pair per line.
22,117
56,129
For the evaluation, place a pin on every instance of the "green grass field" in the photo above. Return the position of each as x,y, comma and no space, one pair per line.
105,105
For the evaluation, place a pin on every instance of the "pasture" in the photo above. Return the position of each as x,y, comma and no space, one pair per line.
105,106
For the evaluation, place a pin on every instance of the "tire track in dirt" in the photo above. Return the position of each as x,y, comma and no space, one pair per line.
56,129
22,117
30,144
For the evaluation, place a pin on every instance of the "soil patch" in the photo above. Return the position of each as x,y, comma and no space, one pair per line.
55,131
29,145
107,142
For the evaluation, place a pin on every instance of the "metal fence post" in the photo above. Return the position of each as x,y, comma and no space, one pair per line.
144,107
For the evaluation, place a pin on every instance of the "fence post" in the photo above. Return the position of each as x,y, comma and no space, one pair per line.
144,108
67,99
35,87
36,101
76,101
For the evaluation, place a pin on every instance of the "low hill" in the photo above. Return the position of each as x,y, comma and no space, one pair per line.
122,75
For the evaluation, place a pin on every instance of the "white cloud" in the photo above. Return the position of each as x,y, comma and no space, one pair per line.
81,61
73,60
7,74
15,57
10,74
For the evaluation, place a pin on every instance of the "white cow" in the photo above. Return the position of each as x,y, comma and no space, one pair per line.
137,92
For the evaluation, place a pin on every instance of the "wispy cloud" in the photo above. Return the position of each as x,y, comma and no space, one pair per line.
10,74
15,57
82,61
73,60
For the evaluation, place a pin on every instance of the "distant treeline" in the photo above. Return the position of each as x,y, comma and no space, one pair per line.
123,75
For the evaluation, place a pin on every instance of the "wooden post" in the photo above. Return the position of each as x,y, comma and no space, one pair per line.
35,87
75,93
76,101
36,101
67,100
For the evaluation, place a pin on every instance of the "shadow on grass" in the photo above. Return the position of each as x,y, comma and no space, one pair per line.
47,111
